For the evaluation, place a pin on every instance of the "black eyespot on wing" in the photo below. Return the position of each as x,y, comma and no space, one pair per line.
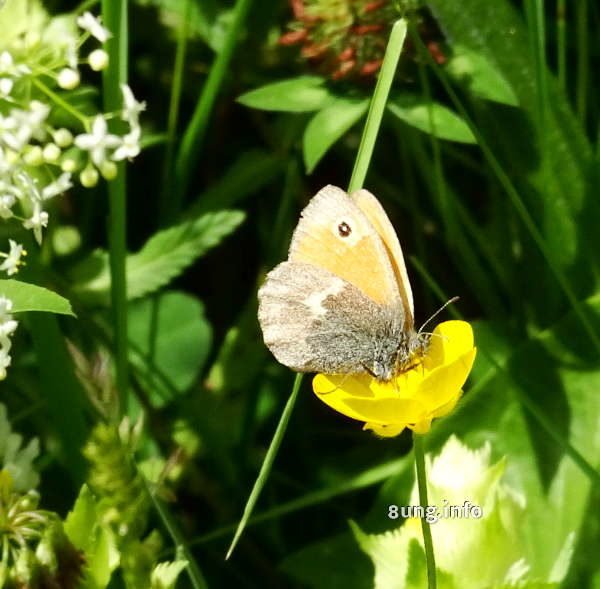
344,229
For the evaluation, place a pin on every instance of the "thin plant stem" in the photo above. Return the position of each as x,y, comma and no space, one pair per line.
174,103
424,502
561,46
583,47
517,203
359,172
267,464
194,572
378,103
196,130
114,13
59,100
363,480
545,423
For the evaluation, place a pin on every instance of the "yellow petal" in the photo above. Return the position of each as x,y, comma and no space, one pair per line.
421,427
450,340
441,384
334,390
390,410
384,431
448,407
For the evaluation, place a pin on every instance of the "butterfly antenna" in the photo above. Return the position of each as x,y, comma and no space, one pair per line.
452,300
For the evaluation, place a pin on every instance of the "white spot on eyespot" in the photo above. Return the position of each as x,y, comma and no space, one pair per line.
314,301
347,230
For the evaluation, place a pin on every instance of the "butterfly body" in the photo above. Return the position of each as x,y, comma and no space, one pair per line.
341,303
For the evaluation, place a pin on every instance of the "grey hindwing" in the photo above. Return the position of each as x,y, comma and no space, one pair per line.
314,321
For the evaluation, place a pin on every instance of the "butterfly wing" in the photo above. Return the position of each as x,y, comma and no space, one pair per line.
336,235
373,210
315,321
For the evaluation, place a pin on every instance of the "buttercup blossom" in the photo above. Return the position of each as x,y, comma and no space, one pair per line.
430,389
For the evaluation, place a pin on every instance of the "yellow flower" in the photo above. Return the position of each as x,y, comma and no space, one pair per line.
429,389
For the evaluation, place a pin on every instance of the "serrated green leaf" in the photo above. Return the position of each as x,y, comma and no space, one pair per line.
301,94
164,257
431,117
480,76
329,125
29,297
170,340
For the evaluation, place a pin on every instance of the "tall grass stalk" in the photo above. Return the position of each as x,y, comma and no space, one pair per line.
517,202
114,13
359,173
196,130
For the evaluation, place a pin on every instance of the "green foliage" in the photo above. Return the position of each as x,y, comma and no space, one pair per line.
432,118
29,297
16,459
162,258
328,126
301,94
170,340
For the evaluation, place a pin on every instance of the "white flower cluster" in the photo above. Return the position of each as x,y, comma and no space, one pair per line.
40,159
7,328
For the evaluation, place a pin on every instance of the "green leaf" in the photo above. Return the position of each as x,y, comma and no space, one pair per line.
81,520
94,539
480,75
29,297
329,125
333,562
165,574
164,257
170,339
431,117
302,94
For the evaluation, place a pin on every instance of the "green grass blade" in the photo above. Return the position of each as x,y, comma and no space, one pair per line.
583,59
174,103
196,130
561,43
194,572
517,202
64,394
377,107
114,13
267,464
546,424
359,172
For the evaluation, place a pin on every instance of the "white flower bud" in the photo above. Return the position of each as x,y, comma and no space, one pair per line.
63,137
51,153
108,170
68,78
69,165
89,177
6,86
98,59
33,155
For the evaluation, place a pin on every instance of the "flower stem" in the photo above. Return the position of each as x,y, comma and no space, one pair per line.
422,484
115,18
359,172
378,102
195,132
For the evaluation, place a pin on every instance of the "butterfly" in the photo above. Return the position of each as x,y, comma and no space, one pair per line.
342,302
